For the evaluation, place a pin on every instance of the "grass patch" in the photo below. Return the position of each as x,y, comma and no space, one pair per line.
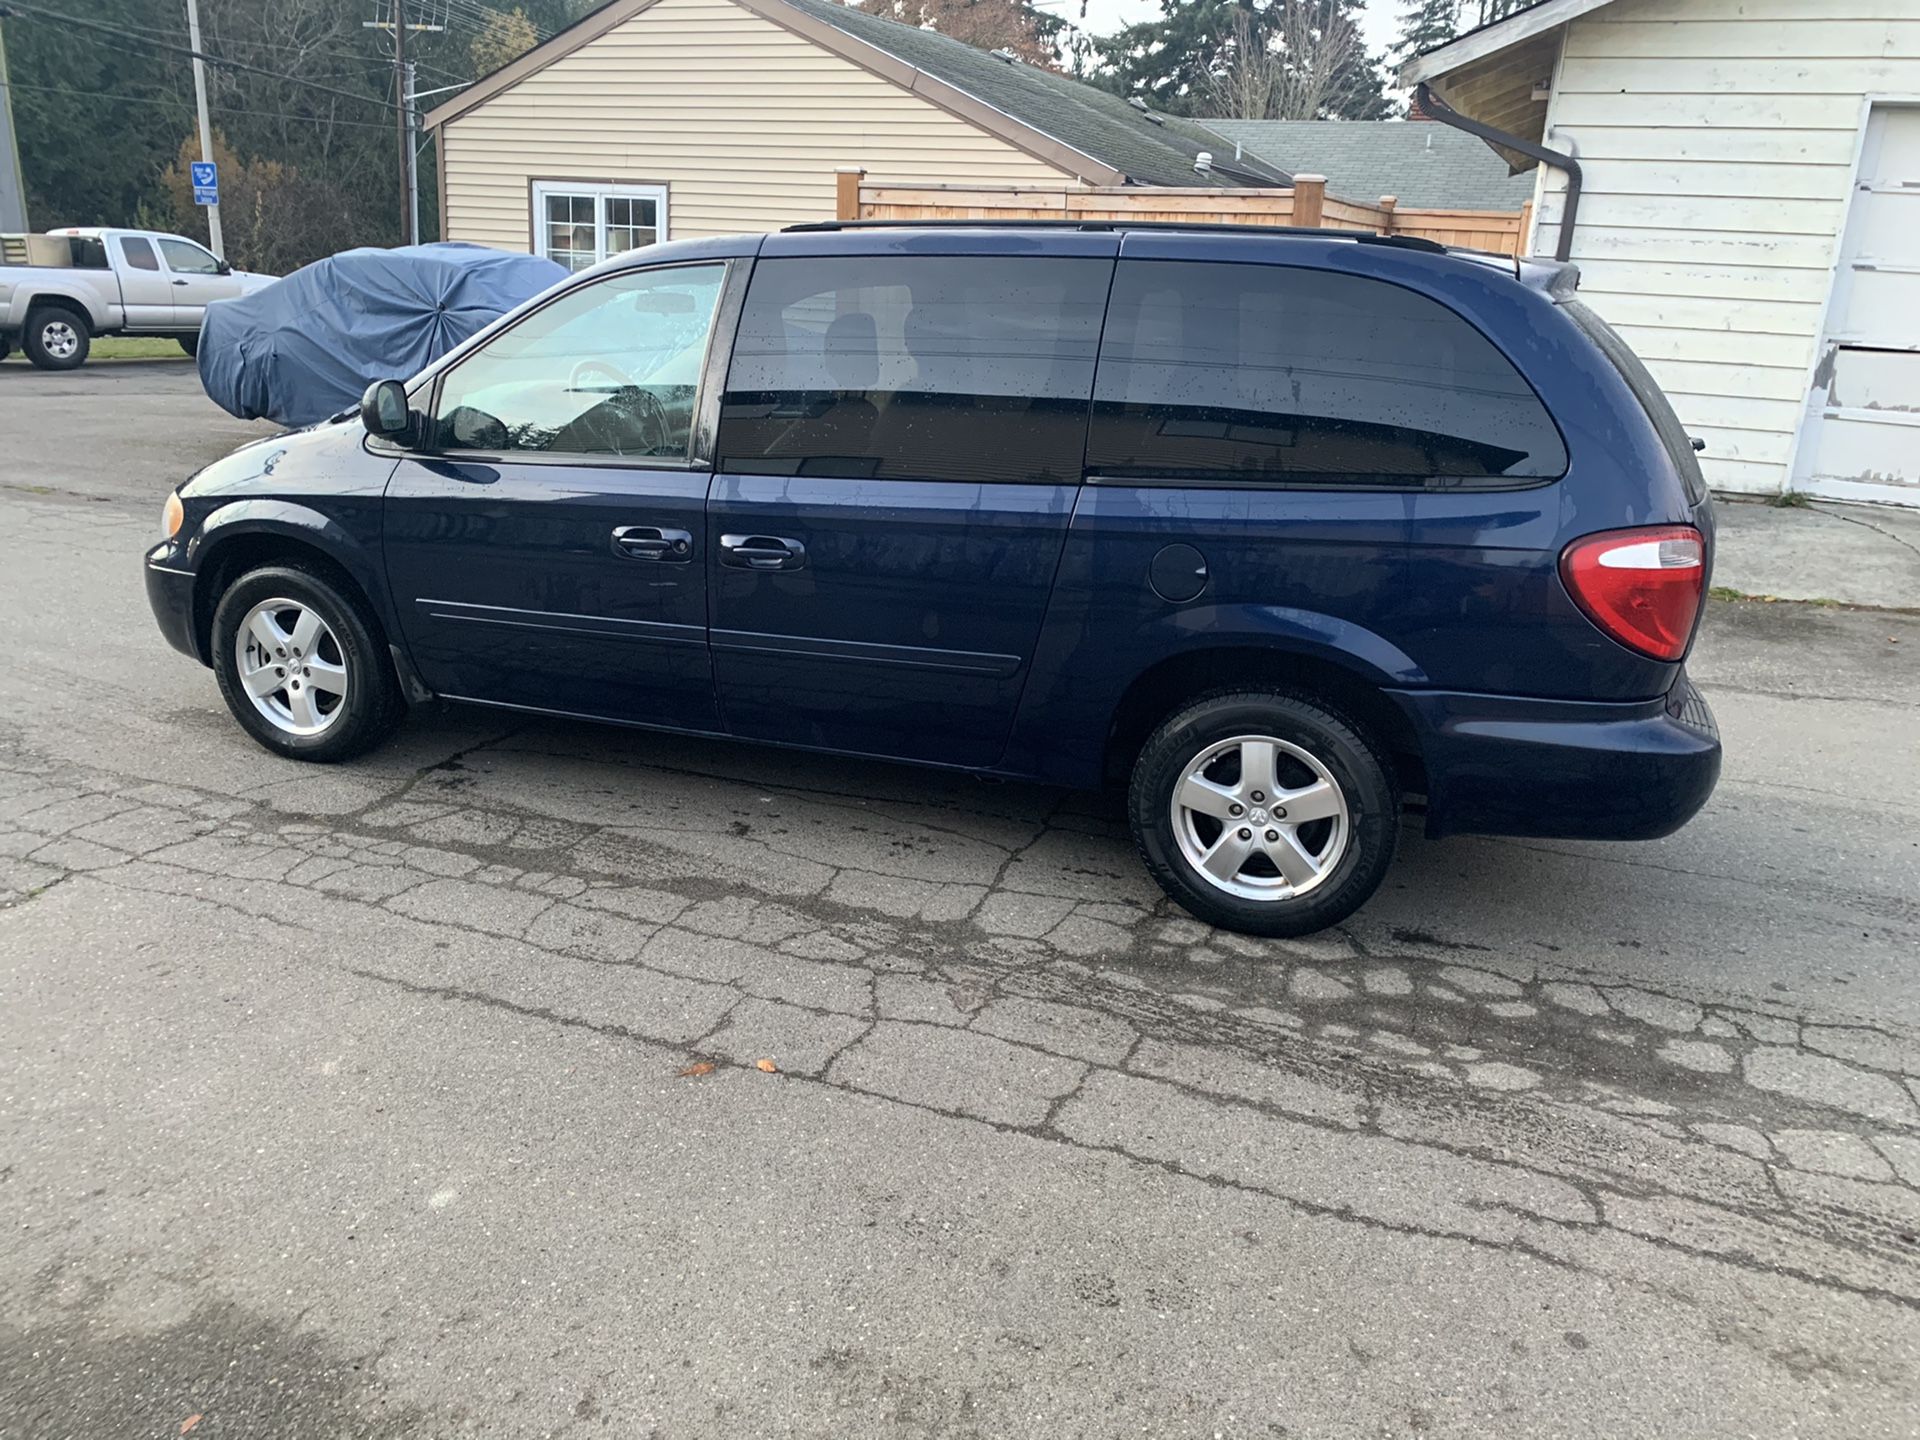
1790,500
1727,592
122,347
145,347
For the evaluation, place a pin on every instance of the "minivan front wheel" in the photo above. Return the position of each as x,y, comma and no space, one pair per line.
300,664
1263,812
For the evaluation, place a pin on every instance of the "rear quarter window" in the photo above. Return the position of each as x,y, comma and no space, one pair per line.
1261,375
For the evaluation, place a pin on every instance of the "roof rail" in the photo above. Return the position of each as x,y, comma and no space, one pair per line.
1362,237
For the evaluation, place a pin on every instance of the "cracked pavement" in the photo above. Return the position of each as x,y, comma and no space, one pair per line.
349,1101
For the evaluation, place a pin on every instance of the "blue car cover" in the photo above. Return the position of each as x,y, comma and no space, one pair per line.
308,346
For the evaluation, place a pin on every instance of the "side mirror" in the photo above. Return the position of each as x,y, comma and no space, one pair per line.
385,412
225,268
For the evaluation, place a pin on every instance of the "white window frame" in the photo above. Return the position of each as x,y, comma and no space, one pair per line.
600,192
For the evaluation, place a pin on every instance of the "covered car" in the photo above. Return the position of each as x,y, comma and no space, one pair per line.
308,347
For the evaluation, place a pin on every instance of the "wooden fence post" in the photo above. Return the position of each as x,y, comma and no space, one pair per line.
846,187
1309,200
1387,202
1520,246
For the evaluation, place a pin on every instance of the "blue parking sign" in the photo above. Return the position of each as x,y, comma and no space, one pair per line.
206,182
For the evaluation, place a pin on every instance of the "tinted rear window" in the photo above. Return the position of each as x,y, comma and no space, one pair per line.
1263,375
1673,435
139,253
934,367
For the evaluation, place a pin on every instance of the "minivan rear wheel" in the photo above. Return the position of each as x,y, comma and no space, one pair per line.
1264,812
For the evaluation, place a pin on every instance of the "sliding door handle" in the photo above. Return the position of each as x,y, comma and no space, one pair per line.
762,552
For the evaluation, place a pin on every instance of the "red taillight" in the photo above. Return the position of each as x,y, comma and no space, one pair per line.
1642,587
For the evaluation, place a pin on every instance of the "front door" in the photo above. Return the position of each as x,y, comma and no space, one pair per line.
549,548
197,279
900,451
1862,436
146,290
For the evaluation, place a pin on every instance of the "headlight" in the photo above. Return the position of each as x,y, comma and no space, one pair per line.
173,515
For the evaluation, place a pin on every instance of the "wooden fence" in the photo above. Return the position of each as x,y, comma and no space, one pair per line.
1306,204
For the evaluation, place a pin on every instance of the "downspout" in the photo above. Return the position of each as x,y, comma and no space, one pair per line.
1432,105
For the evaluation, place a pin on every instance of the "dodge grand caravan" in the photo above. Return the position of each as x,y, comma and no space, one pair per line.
1278,528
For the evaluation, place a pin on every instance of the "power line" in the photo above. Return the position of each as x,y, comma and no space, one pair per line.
34,12
331,52
177,103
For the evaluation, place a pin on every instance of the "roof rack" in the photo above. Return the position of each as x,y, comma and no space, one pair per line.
1362,237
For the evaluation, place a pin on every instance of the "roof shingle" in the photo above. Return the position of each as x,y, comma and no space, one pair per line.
1096,122
1420,163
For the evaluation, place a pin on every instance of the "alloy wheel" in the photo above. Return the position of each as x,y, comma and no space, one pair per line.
1260,818
59,339
291,666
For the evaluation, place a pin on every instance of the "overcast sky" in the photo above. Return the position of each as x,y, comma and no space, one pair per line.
1380,18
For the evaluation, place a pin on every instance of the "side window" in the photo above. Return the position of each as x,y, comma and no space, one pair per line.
1242,374
139,253
612,368
186,258
936,367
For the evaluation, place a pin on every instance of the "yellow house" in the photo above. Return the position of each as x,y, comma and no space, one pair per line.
657,118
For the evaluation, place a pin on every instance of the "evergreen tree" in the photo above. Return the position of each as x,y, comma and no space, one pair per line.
1426,24
1257,59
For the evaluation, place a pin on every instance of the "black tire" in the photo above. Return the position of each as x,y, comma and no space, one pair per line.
190,344
57,338
373,703
1357,766
6,346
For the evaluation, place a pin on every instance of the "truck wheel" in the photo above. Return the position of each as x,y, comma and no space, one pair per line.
302,664
57,338
190,344
1262,812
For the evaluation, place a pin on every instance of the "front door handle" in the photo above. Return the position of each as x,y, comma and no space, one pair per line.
651,542
180,282
762,552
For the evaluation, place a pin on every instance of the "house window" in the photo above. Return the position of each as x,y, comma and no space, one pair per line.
579,225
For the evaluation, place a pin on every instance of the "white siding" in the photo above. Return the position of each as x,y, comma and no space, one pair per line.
743,121
1717,139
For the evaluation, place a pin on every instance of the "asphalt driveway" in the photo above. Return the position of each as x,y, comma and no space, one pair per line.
352,1101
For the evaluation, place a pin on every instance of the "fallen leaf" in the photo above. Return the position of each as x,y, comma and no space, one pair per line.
188,1423
767,1065
700,1067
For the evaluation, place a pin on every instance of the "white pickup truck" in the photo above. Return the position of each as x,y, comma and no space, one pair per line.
60,289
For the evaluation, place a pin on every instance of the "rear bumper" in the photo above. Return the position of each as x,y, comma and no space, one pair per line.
1498,765
170,593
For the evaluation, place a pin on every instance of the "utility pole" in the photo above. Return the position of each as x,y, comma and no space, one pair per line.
403,93
214,238
13,185
413,156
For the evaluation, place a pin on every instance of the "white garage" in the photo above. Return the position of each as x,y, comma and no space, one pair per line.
1748,218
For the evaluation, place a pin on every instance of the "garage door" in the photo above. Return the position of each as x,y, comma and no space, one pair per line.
1863,435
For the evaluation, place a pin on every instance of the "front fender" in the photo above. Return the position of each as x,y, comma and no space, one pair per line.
244,521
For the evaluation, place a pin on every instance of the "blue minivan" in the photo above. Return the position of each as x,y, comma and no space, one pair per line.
1277,529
